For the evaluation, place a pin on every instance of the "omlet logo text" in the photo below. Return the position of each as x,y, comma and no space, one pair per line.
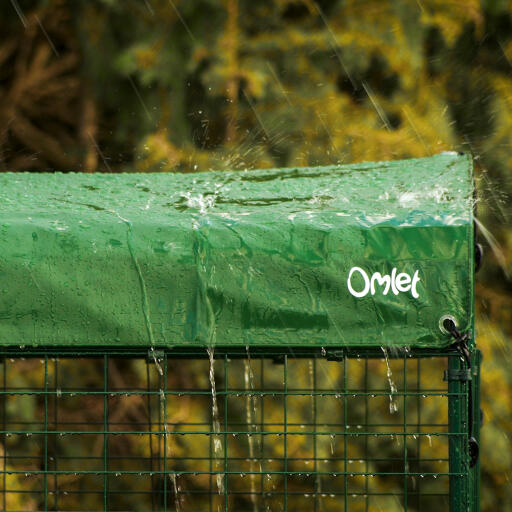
397,283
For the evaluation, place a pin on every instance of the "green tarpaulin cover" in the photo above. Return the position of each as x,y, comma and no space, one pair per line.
368,254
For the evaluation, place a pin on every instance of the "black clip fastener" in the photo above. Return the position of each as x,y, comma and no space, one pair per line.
155,356
479,257
460,375
335,355
461,345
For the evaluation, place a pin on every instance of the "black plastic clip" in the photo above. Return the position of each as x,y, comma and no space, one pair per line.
155,356
461,344
335,355
474,451
460,375
479,257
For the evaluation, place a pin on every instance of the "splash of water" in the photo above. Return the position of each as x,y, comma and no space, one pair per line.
250,407
19,12
393,408
202,202
217,442
495,247
163,414
177,504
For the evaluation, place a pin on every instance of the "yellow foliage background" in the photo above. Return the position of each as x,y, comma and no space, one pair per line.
182,85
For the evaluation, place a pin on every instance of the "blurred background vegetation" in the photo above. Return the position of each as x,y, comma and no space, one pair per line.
184,85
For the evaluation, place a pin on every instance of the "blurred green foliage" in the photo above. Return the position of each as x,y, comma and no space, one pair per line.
181,85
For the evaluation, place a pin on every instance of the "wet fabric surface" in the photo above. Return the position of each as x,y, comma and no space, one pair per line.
279,257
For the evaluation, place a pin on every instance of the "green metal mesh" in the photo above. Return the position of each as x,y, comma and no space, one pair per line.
238,431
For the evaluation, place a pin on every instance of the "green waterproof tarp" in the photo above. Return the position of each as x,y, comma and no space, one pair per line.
368,254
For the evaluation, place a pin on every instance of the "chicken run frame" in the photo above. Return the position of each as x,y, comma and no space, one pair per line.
267,340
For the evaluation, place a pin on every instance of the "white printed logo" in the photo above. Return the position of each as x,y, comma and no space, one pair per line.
397,283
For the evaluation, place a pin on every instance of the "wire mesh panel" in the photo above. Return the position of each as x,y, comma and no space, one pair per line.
246,431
